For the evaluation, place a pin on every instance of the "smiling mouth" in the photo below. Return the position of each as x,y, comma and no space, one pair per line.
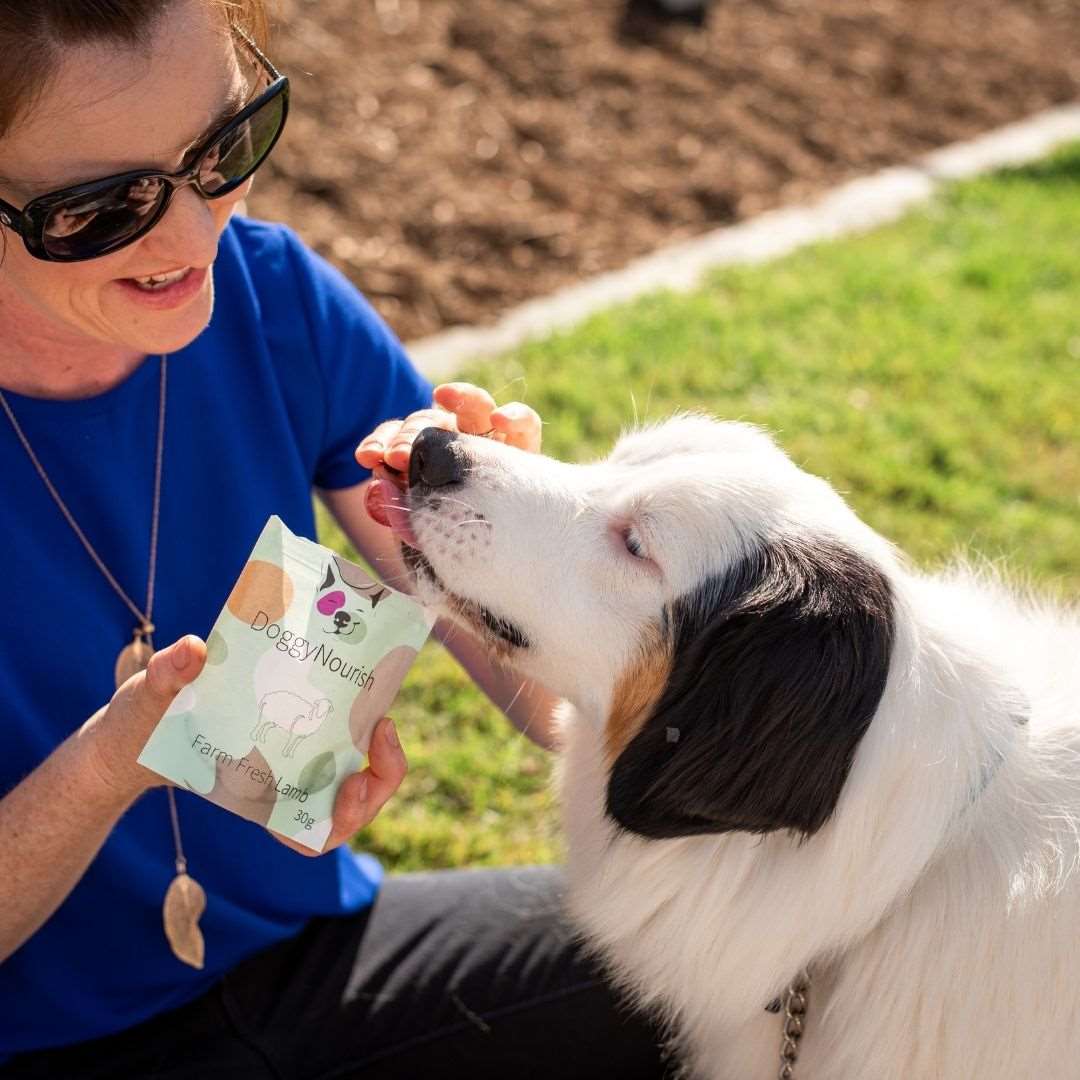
160,281
476,615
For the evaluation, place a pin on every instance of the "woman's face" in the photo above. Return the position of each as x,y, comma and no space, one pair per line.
111,108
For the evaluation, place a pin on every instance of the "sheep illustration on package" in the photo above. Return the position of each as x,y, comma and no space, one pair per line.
304,659
300,718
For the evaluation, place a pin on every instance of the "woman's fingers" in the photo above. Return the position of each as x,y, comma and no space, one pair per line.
518,425
400,446
364,794
458,407
370,451
386,769
117,732
391,442
472,405
515,424
169,671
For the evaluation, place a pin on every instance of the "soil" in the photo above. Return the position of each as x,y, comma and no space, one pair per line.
456,157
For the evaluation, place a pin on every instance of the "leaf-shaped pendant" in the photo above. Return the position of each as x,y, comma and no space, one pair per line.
185,901
132,659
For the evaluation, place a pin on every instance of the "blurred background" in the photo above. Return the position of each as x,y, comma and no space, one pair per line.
457,157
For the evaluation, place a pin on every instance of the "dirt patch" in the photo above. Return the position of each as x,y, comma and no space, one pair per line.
456,157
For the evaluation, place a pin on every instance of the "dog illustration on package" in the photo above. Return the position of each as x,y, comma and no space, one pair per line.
347,619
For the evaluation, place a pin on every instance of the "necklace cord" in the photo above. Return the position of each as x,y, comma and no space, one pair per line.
67,513
144,619
146,627
160,454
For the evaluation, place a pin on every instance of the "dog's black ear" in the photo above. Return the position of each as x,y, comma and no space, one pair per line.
777,670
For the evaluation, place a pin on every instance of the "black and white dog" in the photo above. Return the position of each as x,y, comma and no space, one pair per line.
784,750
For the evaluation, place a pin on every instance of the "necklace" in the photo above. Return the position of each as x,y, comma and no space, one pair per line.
794,1006
185,899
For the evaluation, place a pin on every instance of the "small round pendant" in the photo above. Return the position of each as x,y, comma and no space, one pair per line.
133,658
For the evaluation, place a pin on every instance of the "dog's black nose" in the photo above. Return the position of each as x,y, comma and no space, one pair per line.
438,458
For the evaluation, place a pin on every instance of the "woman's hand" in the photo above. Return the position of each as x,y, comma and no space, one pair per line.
458,407
363,795
116,734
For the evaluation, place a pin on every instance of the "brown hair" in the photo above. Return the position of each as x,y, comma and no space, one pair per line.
33,31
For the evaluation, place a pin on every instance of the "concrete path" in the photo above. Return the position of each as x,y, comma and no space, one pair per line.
853,207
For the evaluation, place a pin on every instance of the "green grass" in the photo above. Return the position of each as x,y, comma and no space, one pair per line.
930,370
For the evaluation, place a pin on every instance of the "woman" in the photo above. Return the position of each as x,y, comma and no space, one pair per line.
169,378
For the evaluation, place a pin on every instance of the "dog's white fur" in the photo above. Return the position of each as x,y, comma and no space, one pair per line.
938,908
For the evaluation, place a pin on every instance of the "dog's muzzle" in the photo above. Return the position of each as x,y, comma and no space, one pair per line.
439,460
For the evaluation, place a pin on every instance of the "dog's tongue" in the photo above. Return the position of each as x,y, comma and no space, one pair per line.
386,505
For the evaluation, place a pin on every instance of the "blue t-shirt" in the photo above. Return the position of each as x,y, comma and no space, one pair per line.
271,399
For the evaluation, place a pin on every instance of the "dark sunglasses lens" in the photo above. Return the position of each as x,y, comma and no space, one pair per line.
239,152
94,224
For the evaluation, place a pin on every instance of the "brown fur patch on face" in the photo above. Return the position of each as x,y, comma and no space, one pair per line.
637,691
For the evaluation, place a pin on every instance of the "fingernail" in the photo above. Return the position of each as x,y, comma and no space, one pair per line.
375,445
181,654
392,735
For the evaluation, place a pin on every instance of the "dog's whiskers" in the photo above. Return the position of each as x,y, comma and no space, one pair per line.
390,579
648,397
513,700
506,386
460,502
446,630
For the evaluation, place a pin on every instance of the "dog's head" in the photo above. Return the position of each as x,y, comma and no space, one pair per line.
723,613
344,598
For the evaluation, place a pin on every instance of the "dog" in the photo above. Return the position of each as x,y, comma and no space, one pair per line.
793,768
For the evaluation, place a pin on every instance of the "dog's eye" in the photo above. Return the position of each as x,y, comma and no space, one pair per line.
632,540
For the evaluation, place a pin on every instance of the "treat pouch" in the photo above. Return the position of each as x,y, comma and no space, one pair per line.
304,659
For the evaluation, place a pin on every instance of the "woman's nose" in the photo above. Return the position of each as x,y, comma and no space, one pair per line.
188,233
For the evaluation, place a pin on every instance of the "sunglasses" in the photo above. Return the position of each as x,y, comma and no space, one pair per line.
102,216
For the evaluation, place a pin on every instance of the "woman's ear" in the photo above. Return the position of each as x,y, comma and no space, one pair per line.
777,670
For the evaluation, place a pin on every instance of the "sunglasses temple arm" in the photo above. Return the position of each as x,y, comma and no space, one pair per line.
10,217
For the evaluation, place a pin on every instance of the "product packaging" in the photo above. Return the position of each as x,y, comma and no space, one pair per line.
304,659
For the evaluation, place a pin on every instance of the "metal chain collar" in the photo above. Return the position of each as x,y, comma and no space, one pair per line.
794,1005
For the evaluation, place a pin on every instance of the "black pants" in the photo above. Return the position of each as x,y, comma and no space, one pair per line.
465,973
